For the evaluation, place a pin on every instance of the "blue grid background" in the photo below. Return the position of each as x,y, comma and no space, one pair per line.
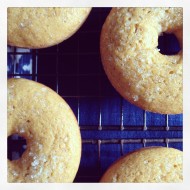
110,126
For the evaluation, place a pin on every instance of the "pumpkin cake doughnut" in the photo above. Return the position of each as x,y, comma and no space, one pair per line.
133,63
44,119
43,27
147,165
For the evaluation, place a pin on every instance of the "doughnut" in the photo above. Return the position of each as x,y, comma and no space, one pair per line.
44,119
134,64
43,27
147,165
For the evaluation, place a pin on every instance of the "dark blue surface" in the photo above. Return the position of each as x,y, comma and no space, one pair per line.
74,68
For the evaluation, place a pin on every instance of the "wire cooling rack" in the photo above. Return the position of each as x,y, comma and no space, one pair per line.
110,126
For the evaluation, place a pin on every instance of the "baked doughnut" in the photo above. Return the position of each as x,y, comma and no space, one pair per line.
43,118
147,165
43,27
133,63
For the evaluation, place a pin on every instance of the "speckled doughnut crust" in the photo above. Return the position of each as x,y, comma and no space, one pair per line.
43,27
45,120
133,63
147,165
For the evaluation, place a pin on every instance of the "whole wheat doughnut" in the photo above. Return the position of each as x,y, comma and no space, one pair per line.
43,27
147,165
44,119
133,63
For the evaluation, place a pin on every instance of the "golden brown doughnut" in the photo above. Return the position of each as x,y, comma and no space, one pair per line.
43,27
133,63
45,120
147,165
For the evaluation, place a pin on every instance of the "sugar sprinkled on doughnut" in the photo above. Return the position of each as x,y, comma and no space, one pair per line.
51,131
134,64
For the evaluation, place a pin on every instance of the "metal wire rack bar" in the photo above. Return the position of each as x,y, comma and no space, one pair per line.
128,128
125,141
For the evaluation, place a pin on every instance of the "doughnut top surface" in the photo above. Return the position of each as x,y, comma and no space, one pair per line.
133,63
147,165
45,120
43,27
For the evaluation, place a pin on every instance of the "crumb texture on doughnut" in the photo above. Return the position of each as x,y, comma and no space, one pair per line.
50,128
147,165
43,27
133,63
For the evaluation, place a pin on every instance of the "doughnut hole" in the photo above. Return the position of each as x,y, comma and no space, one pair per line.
168,44
16,146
